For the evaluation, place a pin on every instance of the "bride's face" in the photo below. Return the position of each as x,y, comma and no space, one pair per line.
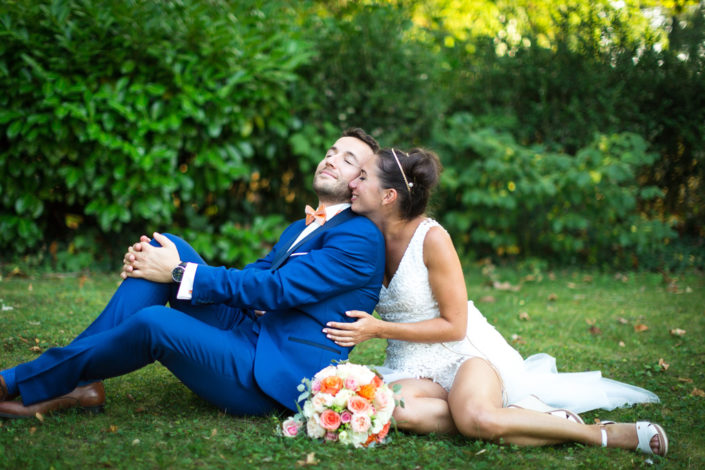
367,194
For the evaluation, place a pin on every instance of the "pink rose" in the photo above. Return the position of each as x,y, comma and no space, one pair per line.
316,386
291,427
360,423
383,399
345,417
358,404
330,420
351,383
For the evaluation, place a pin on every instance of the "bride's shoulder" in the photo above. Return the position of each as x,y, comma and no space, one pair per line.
437,238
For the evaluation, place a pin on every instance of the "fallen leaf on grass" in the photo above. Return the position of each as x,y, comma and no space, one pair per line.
590,321
639,327
663,364
39,416
517,339
677,332
310,460
32,430
29,287
587,278
524,316
621,277
687,380
82,280
552,297
481,451
571,285
594,330
214,431
621,344
505,286
135,442
697,393
112,428
487,298
622,320
36,349
672,288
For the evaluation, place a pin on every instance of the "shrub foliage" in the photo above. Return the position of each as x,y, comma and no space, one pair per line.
206,118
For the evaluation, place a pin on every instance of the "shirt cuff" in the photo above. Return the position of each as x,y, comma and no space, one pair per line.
186,287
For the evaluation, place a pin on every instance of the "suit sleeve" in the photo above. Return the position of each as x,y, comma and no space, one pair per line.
347,260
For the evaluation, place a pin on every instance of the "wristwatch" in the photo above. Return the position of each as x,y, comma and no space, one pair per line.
178,272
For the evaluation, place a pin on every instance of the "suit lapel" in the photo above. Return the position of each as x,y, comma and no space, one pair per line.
338,219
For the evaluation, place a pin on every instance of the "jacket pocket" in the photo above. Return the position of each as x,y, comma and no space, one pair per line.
314,344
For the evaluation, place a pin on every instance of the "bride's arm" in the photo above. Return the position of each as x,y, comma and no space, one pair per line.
445,276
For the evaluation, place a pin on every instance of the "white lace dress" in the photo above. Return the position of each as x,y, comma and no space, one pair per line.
408,298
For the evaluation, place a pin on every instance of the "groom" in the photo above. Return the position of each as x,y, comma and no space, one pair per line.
211,336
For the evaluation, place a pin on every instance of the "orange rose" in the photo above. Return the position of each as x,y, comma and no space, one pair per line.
331,384
377,381
383,433
367,391
330,420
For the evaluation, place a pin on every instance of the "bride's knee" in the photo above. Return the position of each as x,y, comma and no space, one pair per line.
478,422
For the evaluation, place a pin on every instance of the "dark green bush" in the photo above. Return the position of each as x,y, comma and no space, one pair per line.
501,198
598,77
373,69
118,117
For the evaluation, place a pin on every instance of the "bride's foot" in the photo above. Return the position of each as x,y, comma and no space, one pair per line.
643,436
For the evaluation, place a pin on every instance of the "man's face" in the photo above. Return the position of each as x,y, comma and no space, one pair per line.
340,166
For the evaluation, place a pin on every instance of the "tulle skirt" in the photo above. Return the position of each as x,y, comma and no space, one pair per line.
536,375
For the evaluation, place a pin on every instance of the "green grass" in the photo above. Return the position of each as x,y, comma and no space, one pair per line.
152,421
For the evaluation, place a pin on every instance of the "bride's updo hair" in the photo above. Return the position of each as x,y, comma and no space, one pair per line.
413,174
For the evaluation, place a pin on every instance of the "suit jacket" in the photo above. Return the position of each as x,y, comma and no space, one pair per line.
338,267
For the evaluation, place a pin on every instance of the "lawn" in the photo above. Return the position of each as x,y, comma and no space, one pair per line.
641,328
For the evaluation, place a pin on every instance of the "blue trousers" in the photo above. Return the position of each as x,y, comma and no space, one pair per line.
210,348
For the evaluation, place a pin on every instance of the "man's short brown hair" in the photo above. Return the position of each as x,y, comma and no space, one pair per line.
363,136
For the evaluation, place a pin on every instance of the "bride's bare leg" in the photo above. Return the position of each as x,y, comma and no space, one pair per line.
425,407
475,401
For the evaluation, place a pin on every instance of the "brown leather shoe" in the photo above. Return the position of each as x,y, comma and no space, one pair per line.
90,397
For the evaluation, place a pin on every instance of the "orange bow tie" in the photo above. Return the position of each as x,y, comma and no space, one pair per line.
319,214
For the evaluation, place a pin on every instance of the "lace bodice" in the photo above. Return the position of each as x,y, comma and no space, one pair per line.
409,298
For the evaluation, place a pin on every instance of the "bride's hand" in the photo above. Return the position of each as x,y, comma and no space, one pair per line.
350,334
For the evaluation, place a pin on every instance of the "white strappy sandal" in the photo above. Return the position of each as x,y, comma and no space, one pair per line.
532,402
645,431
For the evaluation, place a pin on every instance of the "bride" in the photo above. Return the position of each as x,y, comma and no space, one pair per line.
457,372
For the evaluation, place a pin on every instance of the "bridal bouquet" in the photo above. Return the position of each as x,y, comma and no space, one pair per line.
347,403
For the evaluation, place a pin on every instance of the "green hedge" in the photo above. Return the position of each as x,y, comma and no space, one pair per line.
206,118
120,116
511,200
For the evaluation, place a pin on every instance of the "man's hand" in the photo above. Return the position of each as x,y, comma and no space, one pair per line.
153,263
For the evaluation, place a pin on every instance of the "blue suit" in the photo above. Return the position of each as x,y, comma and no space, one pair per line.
215,344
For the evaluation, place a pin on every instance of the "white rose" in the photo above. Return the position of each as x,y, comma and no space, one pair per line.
313,429
341,398
359,438
325,372
321,401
